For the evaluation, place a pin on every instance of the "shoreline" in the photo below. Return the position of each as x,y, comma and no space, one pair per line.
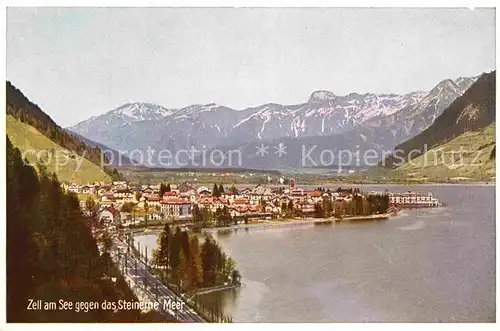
269,225
218,288
277,224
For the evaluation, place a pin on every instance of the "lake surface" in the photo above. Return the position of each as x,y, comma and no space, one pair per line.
427,265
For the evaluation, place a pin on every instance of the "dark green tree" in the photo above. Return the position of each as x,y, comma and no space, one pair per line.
215,191
327,206
92,209
174,250
319,212
209,262
163,189
233,189
164,247
48,232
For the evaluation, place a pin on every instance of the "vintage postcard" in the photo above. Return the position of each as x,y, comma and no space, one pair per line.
228,165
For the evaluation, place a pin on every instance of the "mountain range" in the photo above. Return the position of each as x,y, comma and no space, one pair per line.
369,121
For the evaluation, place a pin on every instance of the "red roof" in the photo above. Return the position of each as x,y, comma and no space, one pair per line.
205,200
210,200
169,194
240,201
175,201
242,209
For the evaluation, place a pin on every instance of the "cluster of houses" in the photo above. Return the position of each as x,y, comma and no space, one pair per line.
178,202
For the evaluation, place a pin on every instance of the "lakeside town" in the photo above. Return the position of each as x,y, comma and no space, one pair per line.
180,266
130,205
250,164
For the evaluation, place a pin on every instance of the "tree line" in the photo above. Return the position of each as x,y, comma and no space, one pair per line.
204,217
190,264
217,190
51,252
164,188
360,205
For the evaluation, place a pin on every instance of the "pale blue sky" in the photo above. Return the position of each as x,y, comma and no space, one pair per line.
78,63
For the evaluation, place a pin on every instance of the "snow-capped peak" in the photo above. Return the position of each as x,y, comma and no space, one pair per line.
140,111
323,114
321,97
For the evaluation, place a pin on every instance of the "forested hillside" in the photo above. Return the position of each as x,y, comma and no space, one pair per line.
116,158
37,148
51,253
473,111
21,108
468,157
